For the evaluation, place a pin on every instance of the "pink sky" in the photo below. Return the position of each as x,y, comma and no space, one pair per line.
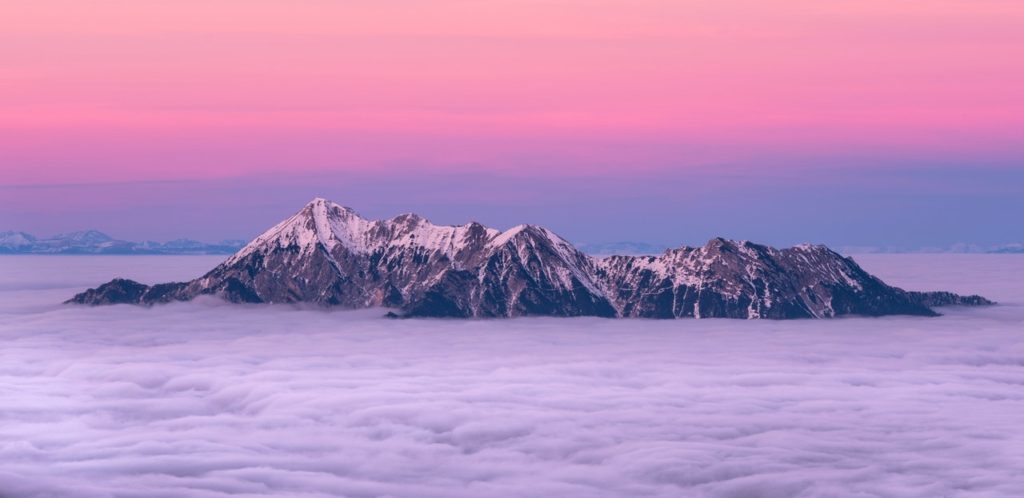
107,90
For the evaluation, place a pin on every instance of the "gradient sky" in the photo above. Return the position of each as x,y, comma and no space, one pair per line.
862,122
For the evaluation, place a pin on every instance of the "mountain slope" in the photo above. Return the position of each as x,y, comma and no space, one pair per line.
731,279
329,255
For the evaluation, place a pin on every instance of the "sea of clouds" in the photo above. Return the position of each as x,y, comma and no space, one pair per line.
207,399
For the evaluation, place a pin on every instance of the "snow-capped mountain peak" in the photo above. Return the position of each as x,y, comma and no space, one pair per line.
320,223
16,240
328,254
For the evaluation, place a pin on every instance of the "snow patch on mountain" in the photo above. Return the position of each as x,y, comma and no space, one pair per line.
328,254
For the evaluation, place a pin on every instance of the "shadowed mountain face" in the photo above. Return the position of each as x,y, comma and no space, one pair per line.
329,255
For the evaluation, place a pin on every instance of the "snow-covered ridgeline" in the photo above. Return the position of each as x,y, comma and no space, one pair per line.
328,254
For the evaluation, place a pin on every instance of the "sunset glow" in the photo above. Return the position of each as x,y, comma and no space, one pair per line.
653,92
163,90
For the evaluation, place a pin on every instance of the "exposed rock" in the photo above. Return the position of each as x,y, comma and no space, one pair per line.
329,255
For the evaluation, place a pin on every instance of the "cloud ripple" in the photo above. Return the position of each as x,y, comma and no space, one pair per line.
210,400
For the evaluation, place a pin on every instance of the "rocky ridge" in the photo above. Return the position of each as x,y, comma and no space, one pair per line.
329,255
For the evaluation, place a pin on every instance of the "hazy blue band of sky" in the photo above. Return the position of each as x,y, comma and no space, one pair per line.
891,206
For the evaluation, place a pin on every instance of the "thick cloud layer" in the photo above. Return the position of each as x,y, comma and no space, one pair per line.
212,400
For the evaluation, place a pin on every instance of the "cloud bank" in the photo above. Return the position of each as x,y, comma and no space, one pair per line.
211,400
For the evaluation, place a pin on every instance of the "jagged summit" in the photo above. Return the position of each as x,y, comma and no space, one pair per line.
330,255
320,223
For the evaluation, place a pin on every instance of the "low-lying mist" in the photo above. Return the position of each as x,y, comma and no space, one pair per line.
207,399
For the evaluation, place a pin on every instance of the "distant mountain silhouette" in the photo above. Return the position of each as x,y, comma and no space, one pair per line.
94,242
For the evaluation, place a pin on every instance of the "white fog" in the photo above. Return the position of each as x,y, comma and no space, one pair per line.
207,399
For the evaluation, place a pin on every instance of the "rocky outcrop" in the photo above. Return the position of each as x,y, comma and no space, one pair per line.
329,255
729,279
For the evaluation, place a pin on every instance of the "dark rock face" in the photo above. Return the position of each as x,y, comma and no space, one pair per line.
328,255
121,290
947,299
728,279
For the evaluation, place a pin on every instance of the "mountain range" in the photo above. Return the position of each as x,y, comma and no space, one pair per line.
1008,249
623,248
1012,248
94,242
329,255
